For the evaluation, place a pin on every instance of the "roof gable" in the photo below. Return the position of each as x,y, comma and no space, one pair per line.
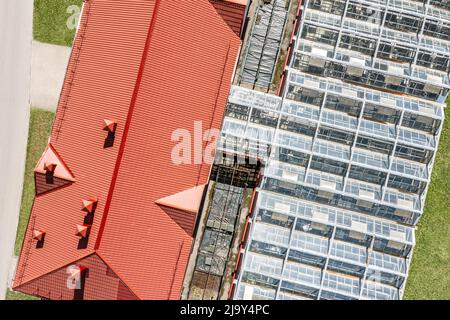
188,200
232,12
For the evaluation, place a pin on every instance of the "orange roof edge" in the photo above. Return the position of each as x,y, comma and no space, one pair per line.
241,2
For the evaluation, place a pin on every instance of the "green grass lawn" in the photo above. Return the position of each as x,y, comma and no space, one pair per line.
40,126
429,276
50,21
11,295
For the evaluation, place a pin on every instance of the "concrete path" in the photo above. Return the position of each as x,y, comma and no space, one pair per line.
48,68
15,56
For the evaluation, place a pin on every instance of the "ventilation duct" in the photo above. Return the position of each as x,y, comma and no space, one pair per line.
110,125
356,67
395,75
89,205
83,230
38,235
432,88
319,57
50,166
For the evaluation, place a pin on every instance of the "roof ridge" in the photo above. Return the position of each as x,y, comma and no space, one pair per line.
127,124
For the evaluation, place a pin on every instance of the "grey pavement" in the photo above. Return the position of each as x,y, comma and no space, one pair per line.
48,68
15,56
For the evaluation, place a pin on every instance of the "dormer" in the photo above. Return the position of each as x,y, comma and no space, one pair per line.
183,207
51,172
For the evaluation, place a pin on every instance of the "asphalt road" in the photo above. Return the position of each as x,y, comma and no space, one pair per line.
15,59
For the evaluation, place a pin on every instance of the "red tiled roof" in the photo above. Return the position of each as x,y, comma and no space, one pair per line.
51,158
153,66
232,12
187,200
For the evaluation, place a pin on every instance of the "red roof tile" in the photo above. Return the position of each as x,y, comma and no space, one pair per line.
132,61
102,283
232,12
188,200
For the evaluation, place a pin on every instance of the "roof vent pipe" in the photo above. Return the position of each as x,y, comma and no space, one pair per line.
50,166
110,125
89,205
38,235
83,230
